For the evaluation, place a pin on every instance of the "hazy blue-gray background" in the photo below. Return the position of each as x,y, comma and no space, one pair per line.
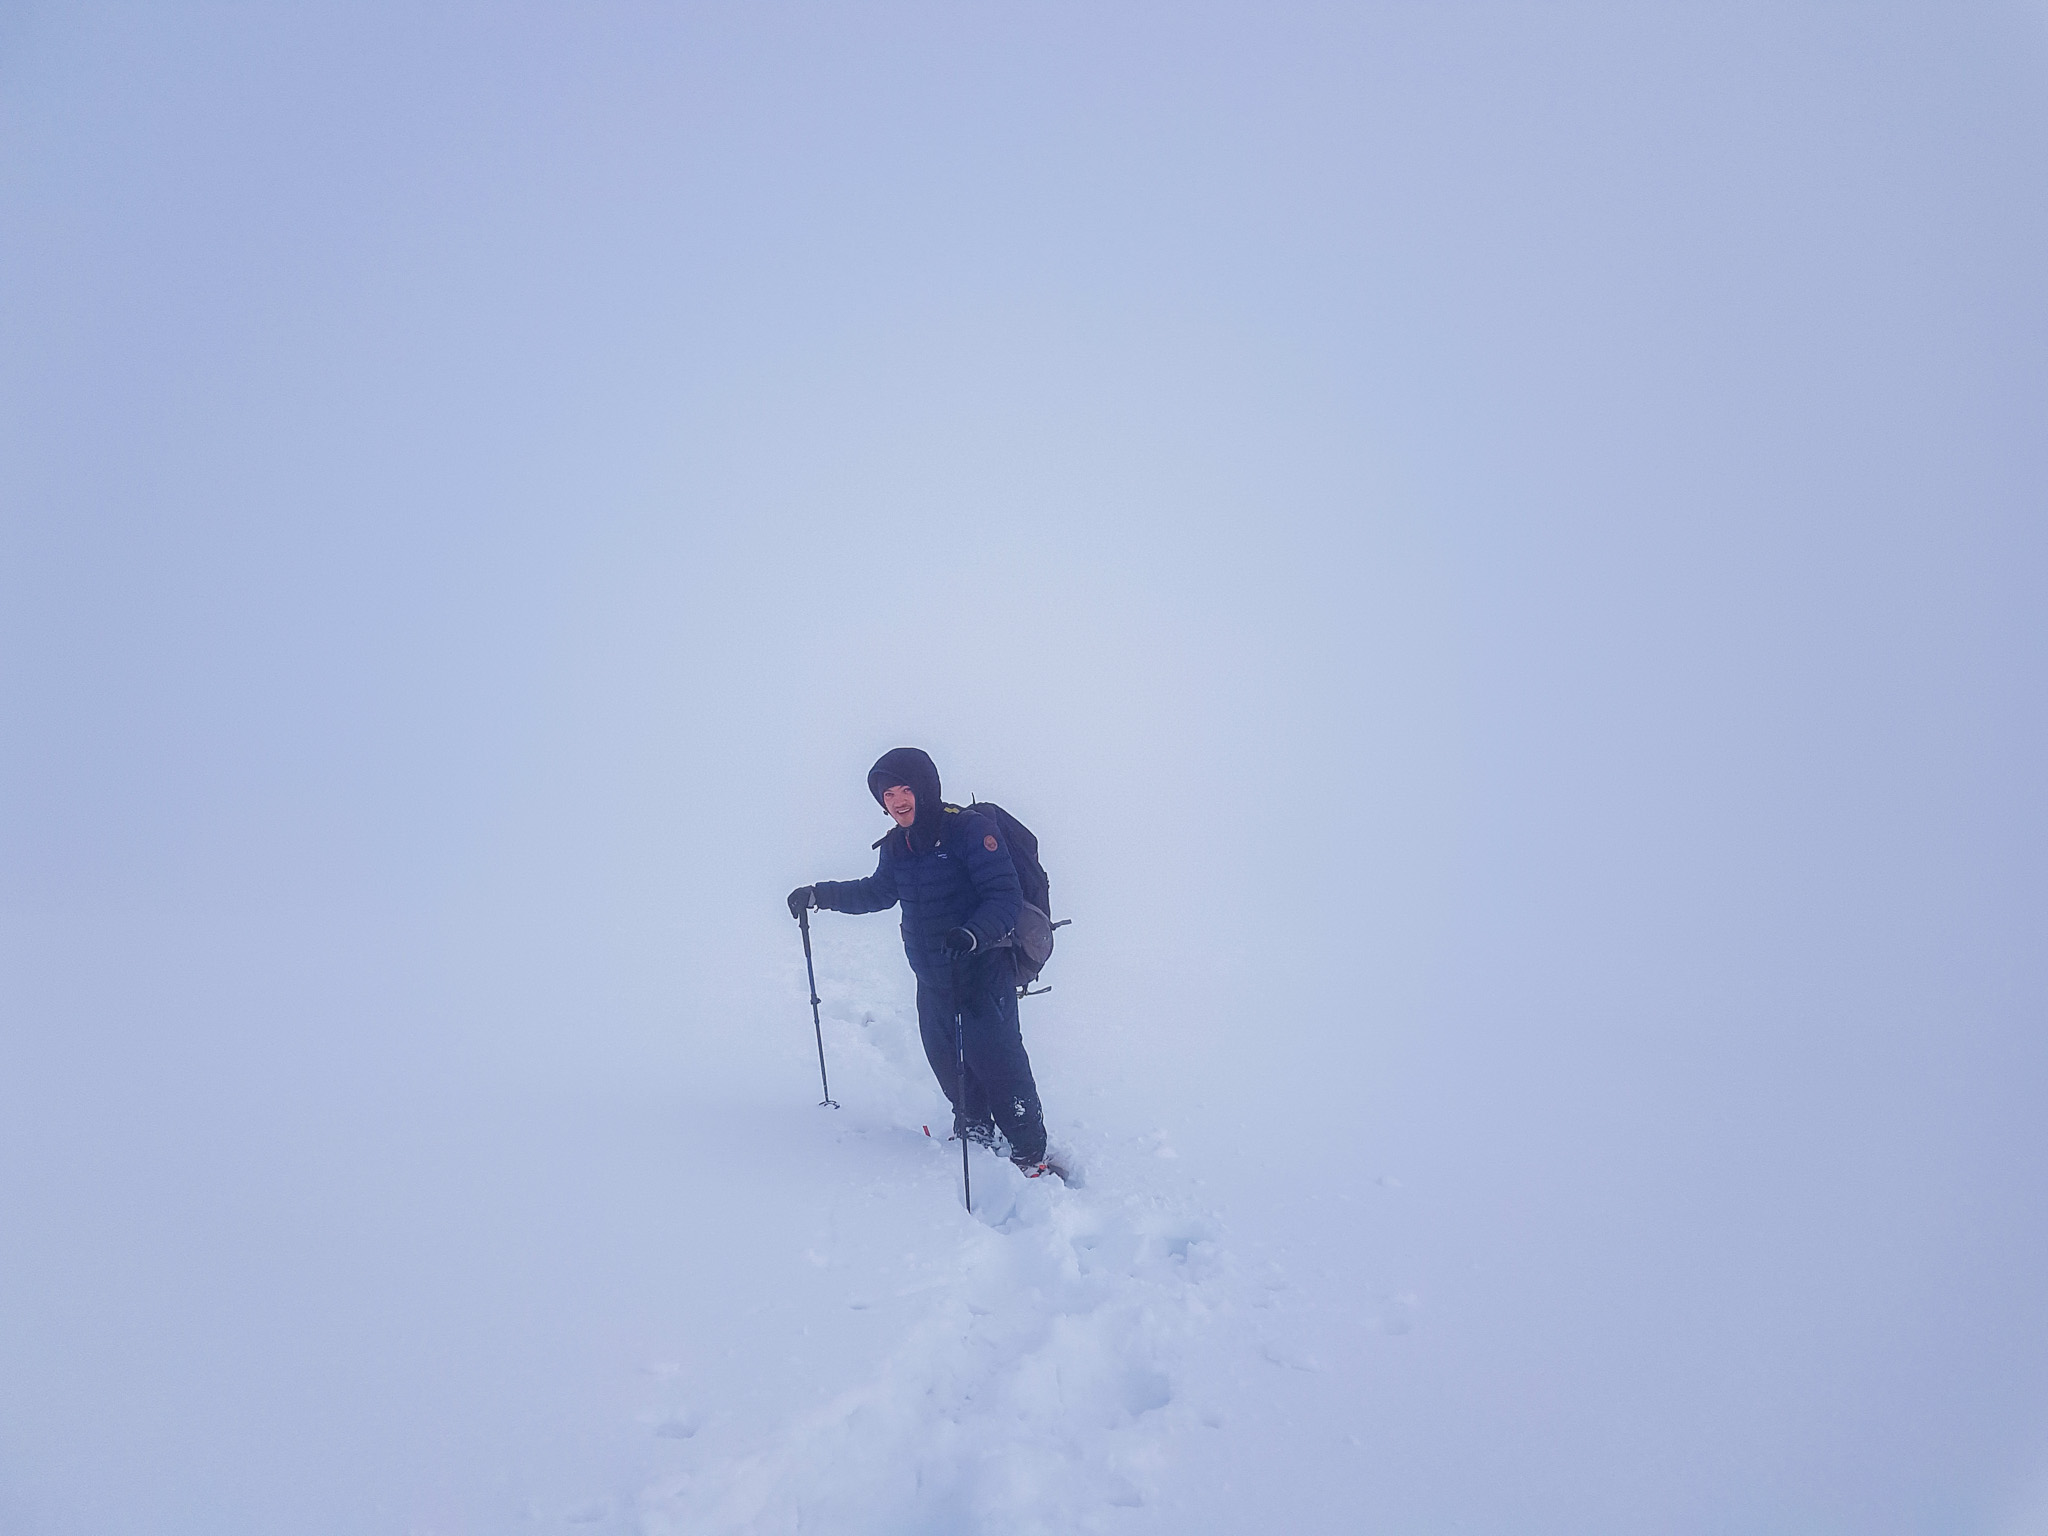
1500,548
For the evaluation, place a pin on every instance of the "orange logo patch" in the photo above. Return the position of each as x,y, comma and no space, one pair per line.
989,843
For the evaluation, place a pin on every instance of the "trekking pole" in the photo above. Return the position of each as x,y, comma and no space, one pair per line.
803,920
960,1104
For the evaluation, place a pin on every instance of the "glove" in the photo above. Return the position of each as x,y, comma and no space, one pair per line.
803,897
959,941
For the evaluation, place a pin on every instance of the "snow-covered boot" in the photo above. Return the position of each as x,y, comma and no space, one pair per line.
1052,1162
982,1133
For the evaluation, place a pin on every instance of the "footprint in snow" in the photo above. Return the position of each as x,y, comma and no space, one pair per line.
1060,1328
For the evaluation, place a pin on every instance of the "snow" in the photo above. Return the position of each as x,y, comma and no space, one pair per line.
291,1250
1052,1361
701,1303
1030,1367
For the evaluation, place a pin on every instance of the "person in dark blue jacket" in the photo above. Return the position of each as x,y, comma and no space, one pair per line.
950,871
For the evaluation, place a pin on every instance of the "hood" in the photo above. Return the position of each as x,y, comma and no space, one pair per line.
914,768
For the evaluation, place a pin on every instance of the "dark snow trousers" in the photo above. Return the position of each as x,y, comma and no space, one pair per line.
999,1085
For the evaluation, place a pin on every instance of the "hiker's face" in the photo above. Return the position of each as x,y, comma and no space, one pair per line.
900,803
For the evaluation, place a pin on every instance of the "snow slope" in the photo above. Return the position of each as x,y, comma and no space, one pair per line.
289,1261
1047,1363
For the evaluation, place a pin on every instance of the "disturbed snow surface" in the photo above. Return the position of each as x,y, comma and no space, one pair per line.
1057,1361
258,1286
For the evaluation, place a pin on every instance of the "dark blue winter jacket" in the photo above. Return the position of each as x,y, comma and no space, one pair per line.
949,868
957,875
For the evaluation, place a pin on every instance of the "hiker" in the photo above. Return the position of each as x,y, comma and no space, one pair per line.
951,870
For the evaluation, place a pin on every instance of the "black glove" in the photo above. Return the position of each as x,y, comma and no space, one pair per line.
802,897
958,942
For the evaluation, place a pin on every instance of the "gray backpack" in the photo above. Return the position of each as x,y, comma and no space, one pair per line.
1032,937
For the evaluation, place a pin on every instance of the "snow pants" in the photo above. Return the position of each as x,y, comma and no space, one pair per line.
998,1086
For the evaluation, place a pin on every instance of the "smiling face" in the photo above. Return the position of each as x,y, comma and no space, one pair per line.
900,803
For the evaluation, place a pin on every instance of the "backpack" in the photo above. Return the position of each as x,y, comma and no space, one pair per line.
1032,939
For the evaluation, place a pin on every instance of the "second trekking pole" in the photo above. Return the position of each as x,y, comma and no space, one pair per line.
803,920
960,1103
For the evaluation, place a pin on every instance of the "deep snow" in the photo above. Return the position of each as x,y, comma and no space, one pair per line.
284,1264
1052,1362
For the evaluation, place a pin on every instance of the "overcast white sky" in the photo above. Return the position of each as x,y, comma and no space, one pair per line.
1500,547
